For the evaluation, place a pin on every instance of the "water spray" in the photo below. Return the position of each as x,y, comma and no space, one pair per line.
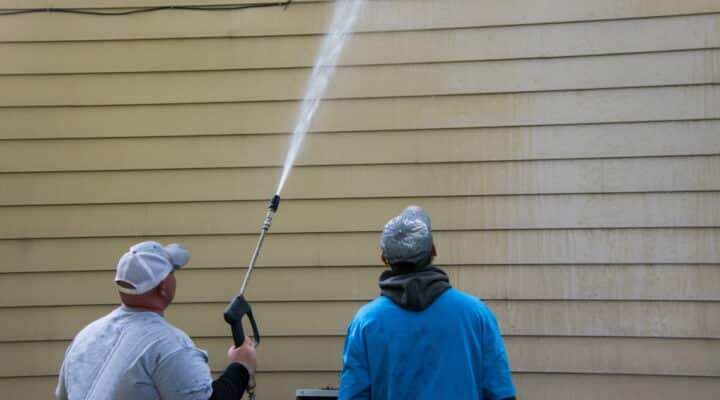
346,12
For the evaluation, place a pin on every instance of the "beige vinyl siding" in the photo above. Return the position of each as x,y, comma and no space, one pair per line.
616,71
312,18
568,152
607,175
422,112
590,246
465,213
495,282
370,48
353,148
583,318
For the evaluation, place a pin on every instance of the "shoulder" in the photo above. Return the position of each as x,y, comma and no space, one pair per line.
373,310
99,326
171,350
460,300
457,296
158,336
169,337
370,313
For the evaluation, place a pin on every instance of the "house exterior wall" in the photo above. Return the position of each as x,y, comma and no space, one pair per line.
568,152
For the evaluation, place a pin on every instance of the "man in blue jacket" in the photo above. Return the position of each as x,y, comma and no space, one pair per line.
422,339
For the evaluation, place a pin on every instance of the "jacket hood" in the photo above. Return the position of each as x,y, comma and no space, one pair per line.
414,291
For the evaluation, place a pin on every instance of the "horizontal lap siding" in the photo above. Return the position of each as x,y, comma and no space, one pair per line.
376,48
568,153
424,112
557,246
351,148
692,282
583,318
311,18
475,213
625,246
621,175
676,68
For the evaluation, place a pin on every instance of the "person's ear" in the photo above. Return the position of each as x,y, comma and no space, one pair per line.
162,288
433,251
382,258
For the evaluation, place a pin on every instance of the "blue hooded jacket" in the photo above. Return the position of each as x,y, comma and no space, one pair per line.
451,349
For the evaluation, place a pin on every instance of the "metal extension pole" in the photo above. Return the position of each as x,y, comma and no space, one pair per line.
265,228
239,307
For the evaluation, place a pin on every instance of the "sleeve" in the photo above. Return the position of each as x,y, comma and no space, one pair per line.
231,384
184,375
498,383
355,376
61,389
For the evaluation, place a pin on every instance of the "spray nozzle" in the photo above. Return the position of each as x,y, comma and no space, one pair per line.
274,203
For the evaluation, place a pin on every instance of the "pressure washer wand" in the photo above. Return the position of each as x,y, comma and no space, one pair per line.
272,209
239,307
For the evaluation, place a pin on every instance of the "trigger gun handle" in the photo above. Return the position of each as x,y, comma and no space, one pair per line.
234,312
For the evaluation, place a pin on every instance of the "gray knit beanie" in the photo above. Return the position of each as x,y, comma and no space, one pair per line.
407,238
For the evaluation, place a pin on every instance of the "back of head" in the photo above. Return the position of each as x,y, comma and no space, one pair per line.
406,240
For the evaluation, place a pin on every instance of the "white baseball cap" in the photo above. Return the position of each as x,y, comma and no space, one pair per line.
146,264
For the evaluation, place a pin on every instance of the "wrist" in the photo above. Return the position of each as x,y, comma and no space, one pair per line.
248,370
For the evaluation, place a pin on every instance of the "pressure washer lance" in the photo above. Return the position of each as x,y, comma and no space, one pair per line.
239,307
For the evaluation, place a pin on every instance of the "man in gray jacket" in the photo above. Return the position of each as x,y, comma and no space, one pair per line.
134,353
